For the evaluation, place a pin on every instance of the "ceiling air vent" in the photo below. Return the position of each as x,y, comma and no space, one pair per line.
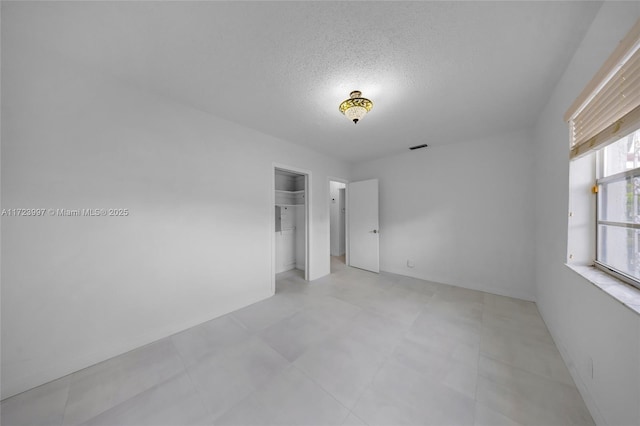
424,145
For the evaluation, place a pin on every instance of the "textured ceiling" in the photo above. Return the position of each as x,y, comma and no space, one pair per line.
437,72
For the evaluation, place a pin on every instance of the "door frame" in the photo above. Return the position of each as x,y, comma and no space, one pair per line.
346,217
307,219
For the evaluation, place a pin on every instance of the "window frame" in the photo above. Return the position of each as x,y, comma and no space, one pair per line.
606,180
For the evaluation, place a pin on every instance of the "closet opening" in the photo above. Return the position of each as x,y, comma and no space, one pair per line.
291,228
337,225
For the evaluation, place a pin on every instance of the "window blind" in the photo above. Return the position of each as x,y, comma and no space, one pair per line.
609,107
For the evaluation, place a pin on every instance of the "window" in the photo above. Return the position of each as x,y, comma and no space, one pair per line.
605,120
618,208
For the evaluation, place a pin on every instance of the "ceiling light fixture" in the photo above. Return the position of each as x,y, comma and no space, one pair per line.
356,107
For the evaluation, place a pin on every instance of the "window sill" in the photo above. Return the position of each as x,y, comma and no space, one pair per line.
619,290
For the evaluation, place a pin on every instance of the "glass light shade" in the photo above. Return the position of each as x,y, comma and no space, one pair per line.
355,113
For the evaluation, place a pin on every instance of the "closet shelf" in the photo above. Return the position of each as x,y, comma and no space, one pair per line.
290,205
290,192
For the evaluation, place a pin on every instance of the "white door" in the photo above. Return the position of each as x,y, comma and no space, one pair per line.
362,208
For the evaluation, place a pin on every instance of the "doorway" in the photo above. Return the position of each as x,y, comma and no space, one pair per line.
290,242
337,225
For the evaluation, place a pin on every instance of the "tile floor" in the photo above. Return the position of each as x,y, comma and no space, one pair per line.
353,348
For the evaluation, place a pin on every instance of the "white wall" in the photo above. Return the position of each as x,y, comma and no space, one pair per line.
299,236
336,217
462,213
196,244
285,240
290,245
584,321
342,231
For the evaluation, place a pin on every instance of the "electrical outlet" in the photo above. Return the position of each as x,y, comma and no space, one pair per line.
410,263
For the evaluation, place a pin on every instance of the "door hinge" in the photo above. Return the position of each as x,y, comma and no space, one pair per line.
594,189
